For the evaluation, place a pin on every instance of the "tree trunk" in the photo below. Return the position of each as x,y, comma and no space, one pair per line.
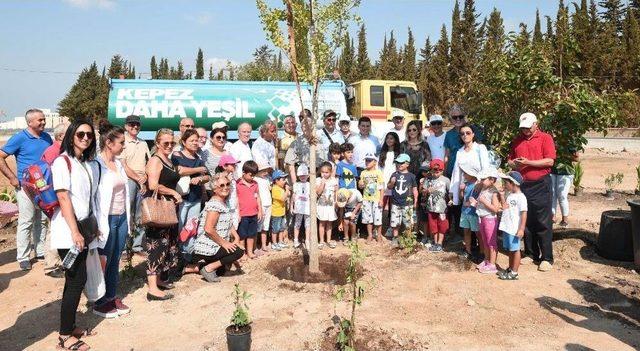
312,235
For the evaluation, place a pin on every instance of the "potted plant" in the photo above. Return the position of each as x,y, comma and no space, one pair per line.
239,332
637,192
577,179
612,181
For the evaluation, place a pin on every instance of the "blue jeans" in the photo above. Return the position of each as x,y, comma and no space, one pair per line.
118,229
186,210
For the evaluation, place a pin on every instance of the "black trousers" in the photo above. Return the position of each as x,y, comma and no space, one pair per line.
455,212
75,278
538,235
222,255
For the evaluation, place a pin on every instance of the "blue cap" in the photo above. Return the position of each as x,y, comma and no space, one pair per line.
277,174
513,176
402,158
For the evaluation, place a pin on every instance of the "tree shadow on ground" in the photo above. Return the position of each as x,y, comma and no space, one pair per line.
5,278
605,303
588,251
36,324
8,256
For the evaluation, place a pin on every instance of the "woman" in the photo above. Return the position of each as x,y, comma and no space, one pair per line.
217,243
211,155
113,216
162,176
75,180
416,147
472,154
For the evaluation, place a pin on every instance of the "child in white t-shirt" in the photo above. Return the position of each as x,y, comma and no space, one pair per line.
299,205
263,178
513,222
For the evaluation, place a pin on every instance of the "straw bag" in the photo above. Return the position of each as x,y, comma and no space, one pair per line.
158,212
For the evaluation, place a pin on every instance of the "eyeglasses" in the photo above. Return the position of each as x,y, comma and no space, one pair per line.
330,119
133,124
458,117
436,123
412,129
466,133
224,185
82,135
188,126
220,137
168,144
202,137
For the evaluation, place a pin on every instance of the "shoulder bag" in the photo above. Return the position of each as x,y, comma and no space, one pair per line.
158,212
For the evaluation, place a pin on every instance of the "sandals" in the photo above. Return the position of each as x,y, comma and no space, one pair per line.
76,346
87,332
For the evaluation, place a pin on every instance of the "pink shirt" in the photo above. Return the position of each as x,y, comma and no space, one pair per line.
52,152
118,199
247,198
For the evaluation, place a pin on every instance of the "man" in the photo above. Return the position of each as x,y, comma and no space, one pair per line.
299,151
364,143
344,123
27,146
203,140
329,134
264,149
288,138
185,123
533,153
134,159
240,150
397,127
52,261
452,141
436,138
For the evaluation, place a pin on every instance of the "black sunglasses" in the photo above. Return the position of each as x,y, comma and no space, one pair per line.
133,124
82,135
220,137
436,123
458,117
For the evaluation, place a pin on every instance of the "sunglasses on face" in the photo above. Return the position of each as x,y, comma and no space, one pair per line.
133,124
188,126
412,129
224,185
82,135
436,123
330,119
220,137
168,144
466,133
457,117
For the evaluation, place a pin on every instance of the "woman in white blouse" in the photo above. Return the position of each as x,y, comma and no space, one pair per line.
472,154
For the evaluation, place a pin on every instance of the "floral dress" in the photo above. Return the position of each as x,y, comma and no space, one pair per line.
204,245
326,201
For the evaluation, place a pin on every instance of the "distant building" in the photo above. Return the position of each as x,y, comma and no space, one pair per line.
51,118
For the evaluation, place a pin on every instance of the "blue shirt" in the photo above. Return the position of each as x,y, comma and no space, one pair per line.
195,191
469,188
402,192
27,149
453,143
347,174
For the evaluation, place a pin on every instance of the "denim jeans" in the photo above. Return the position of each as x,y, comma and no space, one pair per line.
31,225
118,229
186,210
134,190
560,185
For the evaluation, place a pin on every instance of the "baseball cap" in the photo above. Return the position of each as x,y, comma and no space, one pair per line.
219,125
489,172
303,170
277,174
132,119
344,118
227,160
470,169
402,158
527,120
370,156
424,167
328,113
436,164
342,197
396,113
435,118
513,176
263,166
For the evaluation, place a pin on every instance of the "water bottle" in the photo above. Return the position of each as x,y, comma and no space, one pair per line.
70,257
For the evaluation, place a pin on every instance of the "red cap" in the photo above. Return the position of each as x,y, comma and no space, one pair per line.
227,160
436,164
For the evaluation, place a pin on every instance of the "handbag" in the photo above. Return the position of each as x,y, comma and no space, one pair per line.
183,185
88,226
157,212
95,287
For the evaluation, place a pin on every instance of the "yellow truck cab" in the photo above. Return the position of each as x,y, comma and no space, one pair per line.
380,100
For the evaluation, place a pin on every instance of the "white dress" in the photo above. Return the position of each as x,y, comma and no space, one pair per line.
326,201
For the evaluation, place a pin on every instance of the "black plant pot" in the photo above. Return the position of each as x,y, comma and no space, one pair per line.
239,340
609,194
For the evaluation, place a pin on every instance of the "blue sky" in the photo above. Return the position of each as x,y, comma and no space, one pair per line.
66,35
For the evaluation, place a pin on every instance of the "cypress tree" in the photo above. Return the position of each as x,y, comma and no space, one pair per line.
388,63
363,64
437,92
631,66
495,37
164,69
409,58
609,65
537,40
211,76
220,75
426,54
455,70
154,68
200,65
346,62
118,66
180,71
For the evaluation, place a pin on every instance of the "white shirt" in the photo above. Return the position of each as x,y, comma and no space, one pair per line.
105,192
264,189
387,171
510,222
402,133
301,198
362,147
336,136
264,153
78,186
477,156
436,145
241,152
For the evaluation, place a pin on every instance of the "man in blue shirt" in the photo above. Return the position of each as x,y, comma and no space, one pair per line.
27,146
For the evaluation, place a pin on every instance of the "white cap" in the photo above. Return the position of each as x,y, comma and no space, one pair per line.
527,120
489,172
344,118
370,156
263,166
303,170
397,113
435,118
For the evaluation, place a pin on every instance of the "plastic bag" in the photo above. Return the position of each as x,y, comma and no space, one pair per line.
95,286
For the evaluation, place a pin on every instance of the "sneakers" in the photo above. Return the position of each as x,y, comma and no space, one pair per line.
488,268
563,224
25,265
211,277
296,244
320,246
332,244
276,247
436,248
466,255
508,275
283,245
481,265
545,266
121,307
106,310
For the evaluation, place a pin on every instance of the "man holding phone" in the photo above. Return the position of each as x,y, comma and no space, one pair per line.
533,153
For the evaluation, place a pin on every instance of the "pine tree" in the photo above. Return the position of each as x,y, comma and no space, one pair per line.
523,38
363,64
437,94
612,13
631,66
388,63
409,58
346,62
495,37
537,40
584,35
608,41
455,70
231,69
211,76
180,71
426,54
200,65
118,66
164,72
220,75
87,97
154,68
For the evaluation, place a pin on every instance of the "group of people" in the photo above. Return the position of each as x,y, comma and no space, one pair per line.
239,201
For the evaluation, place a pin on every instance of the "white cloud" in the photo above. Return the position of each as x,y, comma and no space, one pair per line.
218,63
85,4
200,18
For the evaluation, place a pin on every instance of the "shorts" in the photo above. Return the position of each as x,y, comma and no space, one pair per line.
278,224
298,221
468,221
348,213
266,219
400,215
371,212
489,231
437,222
248,227
510,242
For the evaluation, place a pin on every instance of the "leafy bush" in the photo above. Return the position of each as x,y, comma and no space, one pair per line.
613,180
240,317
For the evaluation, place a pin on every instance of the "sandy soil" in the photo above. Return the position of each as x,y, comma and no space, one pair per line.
416,302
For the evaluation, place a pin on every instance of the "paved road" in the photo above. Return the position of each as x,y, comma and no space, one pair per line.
614,144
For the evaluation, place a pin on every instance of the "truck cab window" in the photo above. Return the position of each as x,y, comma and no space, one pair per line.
404,98
376,95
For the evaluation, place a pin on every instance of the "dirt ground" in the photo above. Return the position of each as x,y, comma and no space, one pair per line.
417,302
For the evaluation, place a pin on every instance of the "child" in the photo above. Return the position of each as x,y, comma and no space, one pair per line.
300,203
335,153
435,188
404,196
513,222
249,205
427,237
263,178
487,208
349,202
346,170
468,217
326,190
372,185
279,194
